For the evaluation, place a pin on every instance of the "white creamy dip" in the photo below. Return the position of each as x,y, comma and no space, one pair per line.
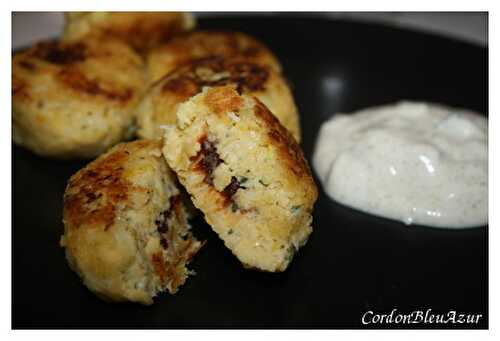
414,162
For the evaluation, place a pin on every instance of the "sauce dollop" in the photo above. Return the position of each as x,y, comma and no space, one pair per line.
414,162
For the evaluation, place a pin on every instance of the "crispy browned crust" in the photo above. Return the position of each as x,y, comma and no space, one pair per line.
248,76
59,54
65,62
19,87
223,99
289,150
129,193
215,71
94,193
191,46
77,81
231,43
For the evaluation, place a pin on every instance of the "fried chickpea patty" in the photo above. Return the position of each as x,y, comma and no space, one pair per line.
202,44
159,106
141,30
246,173
74,100
126,233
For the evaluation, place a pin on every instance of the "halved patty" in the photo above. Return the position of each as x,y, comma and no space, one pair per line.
126,233
246,173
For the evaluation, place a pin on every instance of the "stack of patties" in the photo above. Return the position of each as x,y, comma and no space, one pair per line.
126,232
232,132
75,98
219,129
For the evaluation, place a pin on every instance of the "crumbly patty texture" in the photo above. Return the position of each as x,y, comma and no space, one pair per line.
141,30
75,100
202,44
159,106
246,173
125,228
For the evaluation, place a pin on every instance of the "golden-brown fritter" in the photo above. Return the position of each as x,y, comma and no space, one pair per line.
246,173
126,233
159,106
141,30
75,100
202,44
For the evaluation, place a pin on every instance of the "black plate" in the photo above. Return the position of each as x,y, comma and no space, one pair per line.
353,262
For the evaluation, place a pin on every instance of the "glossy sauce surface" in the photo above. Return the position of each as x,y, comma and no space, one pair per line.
414,162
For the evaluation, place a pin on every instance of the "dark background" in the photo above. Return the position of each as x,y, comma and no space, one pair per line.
353,262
